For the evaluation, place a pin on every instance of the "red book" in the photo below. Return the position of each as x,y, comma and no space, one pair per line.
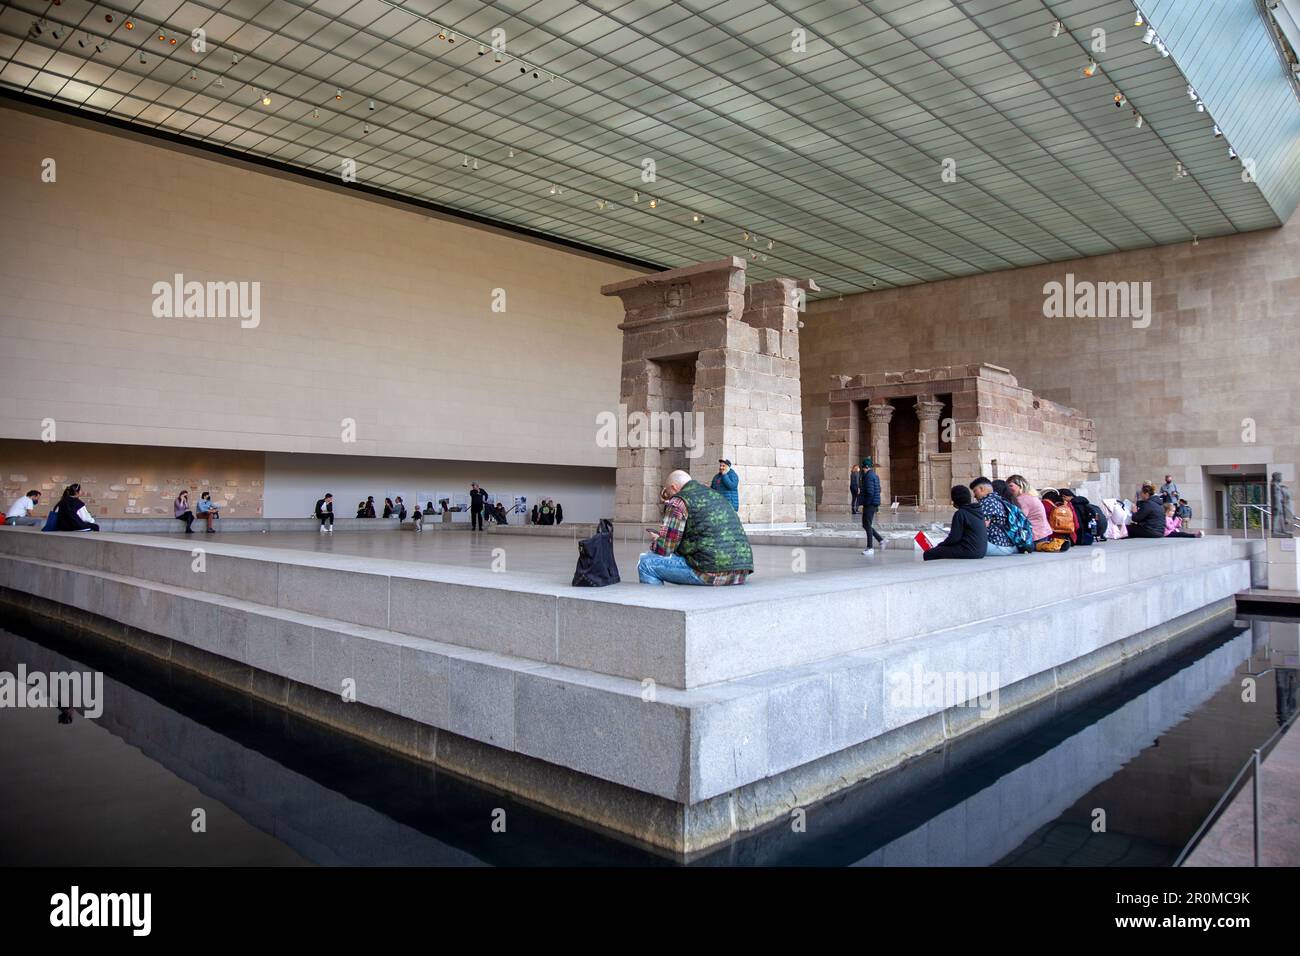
923,541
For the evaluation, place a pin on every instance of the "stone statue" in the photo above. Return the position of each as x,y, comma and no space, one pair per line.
1280,503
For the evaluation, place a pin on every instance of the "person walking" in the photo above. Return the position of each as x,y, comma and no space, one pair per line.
855,487
727,483
870,495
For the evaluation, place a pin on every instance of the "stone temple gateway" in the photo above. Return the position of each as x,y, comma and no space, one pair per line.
928,429
703,349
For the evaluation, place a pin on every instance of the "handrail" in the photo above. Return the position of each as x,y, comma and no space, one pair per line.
1266,512
1253,762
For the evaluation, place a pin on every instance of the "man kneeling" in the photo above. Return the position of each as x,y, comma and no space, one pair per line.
701,540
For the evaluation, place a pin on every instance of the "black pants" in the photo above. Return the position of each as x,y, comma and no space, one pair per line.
941,551
188,518
475,519
868,522
326,519
853,501
1137,531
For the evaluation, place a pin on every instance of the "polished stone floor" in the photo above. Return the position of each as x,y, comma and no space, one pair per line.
543,555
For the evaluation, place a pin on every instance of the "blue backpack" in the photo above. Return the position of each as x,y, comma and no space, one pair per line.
1020,530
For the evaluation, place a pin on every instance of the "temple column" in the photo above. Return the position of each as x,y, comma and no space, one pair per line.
927,413
878,417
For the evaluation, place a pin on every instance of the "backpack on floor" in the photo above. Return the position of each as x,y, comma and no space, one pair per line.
1019,530
596,565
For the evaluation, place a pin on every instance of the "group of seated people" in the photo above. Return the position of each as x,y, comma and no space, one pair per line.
546,512
995,518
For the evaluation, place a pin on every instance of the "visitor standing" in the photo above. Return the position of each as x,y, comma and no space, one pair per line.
727,483
477,497
1169,491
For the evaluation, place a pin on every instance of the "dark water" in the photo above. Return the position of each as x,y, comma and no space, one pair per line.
1150,745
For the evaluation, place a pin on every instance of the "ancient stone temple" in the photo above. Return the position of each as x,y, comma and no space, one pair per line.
710,371
929,429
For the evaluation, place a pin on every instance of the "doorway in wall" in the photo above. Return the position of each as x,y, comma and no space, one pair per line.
1236,494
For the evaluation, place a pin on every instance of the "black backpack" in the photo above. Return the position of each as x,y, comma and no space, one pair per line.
1099,514
596,565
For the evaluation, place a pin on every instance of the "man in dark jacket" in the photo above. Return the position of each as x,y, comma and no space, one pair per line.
870,504
968,537
1082,516
1149,519
325,513
477,496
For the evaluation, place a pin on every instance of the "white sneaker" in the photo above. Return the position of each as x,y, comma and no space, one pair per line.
870,552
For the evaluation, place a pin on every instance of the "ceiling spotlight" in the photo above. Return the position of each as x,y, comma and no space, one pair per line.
1181,172
130,24
654,203
769,243
523,69
372,106
1149,36
745,235
554,190
451,38
600,204
442,34
1164,50
162,37
172,41
142,59
464,161
1137,119
338,94
475,166
497,56
221,83
1091,68
266,98
482,50
1137,19
365,129
1191,93
696,217
82,42
1119,100
55,33
99,47
1200,106
36,28
108,18
535,74
1196,240
234,58
636,197
315,113
194,74
1057,28
1232,153
510,153
1217,132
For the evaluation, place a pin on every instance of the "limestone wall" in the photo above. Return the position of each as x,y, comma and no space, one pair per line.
1211,380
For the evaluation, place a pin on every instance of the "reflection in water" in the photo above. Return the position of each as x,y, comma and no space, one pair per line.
1147,747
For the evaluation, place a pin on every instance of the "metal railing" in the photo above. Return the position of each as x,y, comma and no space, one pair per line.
1264,512
1251,765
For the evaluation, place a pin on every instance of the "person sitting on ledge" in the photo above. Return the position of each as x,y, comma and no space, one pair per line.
1083,521
1149,517
208,508
181,508
1032,506
388,508
997,519
1060,516
20,512
70,513
361,509
325,513
969,535
370,507
701,539
499,513
1174,524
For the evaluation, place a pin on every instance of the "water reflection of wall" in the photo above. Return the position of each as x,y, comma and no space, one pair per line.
323,825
